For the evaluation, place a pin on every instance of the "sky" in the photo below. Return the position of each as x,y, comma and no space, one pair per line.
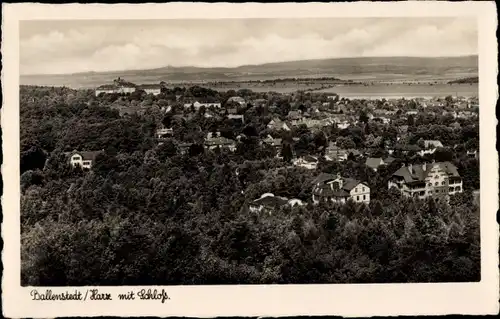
72,46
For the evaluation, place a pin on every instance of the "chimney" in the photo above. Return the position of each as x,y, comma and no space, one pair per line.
410,168
424,166
338,176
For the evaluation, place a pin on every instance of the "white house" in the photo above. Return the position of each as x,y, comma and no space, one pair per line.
197,105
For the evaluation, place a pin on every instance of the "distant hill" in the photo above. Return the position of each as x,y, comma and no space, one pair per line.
377,68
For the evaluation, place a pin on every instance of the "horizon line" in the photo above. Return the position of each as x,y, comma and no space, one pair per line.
249,65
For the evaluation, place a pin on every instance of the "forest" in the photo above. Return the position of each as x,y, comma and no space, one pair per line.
147,214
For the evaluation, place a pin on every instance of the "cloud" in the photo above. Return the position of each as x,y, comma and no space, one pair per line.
67,47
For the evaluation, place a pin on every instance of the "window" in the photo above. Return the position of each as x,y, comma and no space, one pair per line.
458,188
430,184
363,191
357,198
76,158
87,162
364,197
436,184
442,183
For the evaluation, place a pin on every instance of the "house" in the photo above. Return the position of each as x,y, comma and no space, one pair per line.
274,142
427,151
197,105
214,141
83,159
422,181
472,153
154,89
277,124
268,203
334,153
308,162
335,188
164,132
236,99
106,89
433,144
374,162
412,112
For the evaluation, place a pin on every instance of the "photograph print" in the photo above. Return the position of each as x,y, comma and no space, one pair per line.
249,151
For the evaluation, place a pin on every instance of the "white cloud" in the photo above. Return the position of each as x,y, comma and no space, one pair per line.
119,46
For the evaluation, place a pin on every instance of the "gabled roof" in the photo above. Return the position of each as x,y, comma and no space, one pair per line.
326,191
107,87
418,174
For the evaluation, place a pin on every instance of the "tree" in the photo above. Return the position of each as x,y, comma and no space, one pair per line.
33,158
363,116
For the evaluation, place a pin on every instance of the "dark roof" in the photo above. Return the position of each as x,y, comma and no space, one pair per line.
389,160
373,162
310,158
218,141
270,201
350,183
326,191
418,174
86,155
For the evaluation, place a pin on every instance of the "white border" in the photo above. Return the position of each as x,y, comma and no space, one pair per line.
273,300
